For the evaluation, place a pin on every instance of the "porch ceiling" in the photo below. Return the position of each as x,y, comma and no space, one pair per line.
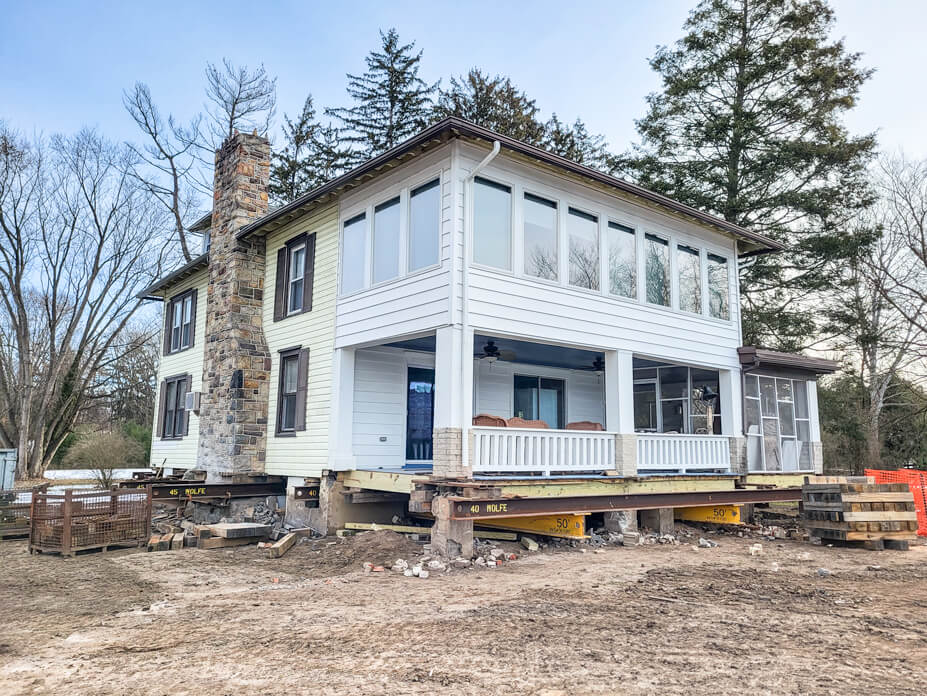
540,353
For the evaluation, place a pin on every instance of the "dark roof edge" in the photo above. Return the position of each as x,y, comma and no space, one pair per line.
750,356
462,127
201,261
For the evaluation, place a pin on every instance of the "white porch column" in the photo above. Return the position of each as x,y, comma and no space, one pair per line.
814,426
341,446
619,408
730,385
453,402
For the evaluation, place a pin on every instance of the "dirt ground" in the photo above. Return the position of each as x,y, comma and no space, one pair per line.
625,620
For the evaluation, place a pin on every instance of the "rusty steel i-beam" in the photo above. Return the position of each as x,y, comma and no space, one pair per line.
487,508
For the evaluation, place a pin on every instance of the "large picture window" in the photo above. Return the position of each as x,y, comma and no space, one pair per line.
583,238
656,257
179,322
492,224
354,254
424,225
540,237
622,260
777,424
689,265
386,241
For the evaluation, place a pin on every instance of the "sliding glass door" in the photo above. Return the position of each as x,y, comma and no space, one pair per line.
540,398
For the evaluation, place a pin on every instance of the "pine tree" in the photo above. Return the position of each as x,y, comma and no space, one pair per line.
576,143
293,170
391,102
494,103
749,126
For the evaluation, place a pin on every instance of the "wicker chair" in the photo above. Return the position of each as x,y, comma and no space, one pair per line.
487,420
584,425
517,422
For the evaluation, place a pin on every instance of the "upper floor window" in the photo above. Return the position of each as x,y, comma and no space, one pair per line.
180,321
622,260
424,225
583,238
492,224
354,254
656,252
718,302
294,277
689,264
540,237
386,240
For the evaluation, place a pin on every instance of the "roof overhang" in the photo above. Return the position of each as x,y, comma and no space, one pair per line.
752,358
188,269
750,243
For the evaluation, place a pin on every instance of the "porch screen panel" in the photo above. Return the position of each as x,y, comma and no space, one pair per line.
540,237
492,224
583,238
674,396
777,424
622,260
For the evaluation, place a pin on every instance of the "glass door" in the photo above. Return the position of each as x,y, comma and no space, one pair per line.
540,398
420,412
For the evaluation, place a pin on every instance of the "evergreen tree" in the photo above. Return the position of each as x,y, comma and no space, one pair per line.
391,102
293,172
749,126
494,103
576,143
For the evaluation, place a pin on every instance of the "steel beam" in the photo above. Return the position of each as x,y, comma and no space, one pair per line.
193,490
482,509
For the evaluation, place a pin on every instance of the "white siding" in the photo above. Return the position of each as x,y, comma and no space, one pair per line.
494,390
182,453
306,453
418,302
507,303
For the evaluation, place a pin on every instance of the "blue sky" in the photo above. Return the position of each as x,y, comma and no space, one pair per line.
65,64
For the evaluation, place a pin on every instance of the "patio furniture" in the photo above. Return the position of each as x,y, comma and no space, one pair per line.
584,425
485,419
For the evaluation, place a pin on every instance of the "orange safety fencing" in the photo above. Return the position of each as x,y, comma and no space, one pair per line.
917,482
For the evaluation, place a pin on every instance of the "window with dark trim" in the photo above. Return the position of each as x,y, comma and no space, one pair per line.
173,419
180,322
292,391
295,271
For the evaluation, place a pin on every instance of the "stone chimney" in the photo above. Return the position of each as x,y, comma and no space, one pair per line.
236,369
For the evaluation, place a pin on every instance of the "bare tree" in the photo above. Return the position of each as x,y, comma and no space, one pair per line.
239,99
166,162
79,238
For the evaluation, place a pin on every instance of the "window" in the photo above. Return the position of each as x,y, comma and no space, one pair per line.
180,320
540,237
294,278
583,237
292,391
540,398
492,224
777,424
354,254
173,419
718,302
622,260
689,265
677,399
386,241
424,225
656,252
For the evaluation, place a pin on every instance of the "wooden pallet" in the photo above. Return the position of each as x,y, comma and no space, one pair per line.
864,512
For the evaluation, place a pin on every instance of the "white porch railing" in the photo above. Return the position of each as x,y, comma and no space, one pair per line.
683,454
526,451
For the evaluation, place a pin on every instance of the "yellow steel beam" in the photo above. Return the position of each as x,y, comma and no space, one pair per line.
720,514
565,488
566,526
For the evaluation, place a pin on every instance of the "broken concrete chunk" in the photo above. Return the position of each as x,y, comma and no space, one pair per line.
234,530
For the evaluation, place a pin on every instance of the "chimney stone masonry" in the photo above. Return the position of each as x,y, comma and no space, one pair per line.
236,371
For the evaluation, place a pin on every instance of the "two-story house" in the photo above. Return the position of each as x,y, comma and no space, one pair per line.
468,310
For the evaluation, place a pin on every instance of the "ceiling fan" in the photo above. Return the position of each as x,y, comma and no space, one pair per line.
491,353
598,365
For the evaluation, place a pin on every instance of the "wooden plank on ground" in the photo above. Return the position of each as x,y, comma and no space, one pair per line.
221,542
177,542
233,530
282,546
879,516
402,529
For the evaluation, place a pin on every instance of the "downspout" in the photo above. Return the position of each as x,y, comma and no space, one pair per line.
466,352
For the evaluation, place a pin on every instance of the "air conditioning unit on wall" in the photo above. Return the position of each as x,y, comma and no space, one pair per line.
192,402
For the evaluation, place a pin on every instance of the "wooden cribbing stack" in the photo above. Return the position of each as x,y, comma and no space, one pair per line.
855,509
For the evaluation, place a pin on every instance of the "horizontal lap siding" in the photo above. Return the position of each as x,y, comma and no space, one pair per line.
306,454
182,453
379,407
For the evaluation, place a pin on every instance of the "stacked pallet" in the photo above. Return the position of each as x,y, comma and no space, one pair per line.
876,515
